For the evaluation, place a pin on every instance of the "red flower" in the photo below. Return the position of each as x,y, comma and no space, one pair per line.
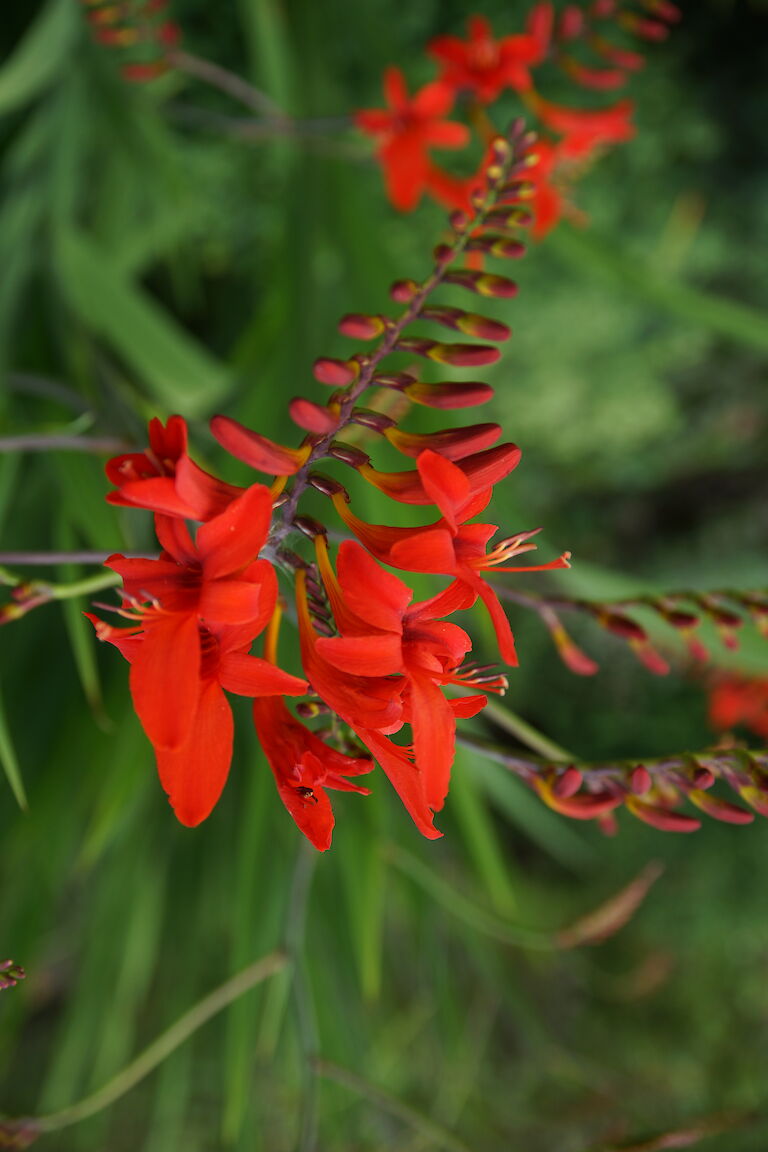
196,612
372,708
485,66
739,700
217,577
179,669
451,546
165,479
584,131
382,635
406,131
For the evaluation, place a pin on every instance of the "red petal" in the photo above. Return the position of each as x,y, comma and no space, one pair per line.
434,730
434,101
375,595
165,678
194,774
230,541
395,90
430,550
404,776
205,494
231,602
376,655
158,494
252,676
445,483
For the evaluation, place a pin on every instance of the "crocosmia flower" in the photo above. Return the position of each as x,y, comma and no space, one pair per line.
406,131
485,66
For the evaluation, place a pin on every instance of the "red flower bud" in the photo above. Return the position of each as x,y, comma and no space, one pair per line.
335,373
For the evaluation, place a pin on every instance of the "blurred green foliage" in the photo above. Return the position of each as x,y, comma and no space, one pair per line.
155,258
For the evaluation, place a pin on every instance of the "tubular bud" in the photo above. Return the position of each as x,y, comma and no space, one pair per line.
397,380
568,783
335,373
453,443
458,355
256,450
482,327
362,327
720,809
484,283
369,418
449,395
601,79
640,781
326,484
509,217
348,454
665,819
313,417
403,291
496,245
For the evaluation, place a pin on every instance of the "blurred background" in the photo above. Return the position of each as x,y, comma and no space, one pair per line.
159,255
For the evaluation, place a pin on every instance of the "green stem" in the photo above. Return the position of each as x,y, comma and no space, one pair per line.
525,732
165,1044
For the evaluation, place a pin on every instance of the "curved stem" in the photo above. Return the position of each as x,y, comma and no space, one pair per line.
165,1044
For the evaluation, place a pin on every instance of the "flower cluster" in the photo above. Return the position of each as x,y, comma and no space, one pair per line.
139,30
591,45
390,668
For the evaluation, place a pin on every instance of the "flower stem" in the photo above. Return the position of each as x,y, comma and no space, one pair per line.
525,732
165,1044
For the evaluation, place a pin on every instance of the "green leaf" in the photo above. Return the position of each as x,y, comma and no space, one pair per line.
10,762
177,371
39,57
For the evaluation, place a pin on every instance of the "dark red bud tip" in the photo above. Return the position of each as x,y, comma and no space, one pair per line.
312,417
326,484
361,327
376,421
568,783
309,526
335,373
347,454
703,779
622,625
396,380
443,254
458,355
403,291
458,220
640,781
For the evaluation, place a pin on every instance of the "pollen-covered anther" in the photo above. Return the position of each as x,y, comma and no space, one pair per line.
361,326
348,454
457,355
326,484
482,327
485,676
335,373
